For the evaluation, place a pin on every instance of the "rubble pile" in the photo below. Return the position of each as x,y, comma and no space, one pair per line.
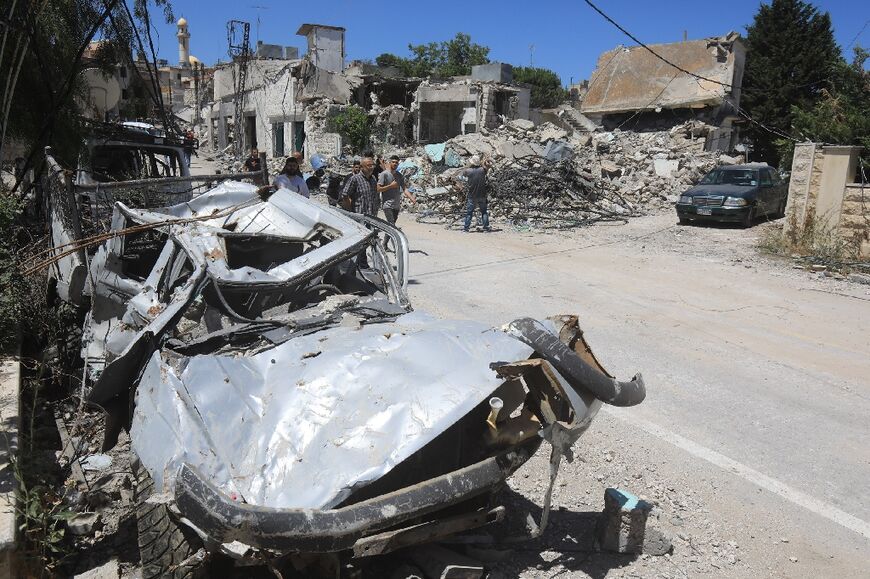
543,176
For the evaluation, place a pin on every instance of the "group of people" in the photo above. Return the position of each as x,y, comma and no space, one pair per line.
375,185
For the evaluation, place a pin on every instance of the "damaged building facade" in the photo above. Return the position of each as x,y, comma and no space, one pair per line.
634,89
287,101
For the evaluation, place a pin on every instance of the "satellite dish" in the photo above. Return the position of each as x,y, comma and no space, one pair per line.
104,91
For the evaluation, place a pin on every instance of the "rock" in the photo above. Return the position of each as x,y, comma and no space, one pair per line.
859,278
665,167
110,570
610,169
656,542
522,124
84,523
96,462
818,267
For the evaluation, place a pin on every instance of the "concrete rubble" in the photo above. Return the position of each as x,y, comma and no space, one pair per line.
542,175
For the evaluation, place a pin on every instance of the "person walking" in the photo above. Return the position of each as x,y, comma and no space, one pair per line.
475,192
391,186
290,177
361,188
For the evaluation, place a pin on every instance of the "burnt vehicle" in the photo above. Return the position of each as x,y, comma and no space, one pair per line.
735,193
284,402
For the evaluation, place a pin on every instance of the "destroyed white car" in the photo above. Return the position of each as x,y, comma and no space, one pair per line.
281,400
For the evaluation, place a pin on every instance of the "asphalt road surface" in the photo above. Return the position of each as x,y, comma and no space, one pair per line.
758,405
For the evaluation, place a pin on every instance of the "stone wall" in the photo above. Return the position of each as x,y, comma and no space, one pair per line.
822,193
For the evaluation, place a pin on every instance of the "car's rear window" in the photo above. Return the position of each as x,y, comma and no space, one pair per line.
741,177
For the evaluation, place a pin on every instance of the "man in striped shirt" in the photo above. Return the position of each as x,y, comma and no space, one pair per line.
362,188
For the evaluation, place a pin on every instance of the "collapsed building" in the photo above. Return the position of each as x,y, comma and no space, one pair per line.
288,101
633,89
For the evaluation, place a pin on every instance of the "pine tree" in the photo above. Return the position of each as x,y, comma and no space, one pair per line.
791,54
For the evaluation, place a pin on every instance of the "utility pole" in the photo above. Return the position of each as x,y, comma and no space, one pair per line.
196,102
239,50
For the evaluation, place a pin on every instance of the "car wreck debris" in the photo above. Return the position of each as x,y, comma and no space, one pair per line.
254,352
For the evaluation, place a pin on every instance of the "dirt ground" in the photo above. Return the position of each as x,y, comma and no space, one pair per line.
752,440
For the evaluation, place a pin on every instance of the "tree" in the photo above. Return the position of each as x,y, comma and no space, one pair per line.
41,54
441,59
547,91
354,125
791,53
842,115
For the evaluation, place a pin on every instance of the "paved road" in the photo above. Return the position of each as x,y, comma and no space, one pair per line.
757,374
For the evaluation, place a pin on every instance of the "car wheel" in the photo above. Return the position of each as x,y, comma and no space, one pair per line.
684,221
166,547
746,222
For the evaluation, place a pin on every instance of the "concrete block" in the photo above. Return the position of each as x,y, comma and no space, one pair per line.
622,525
666,167
109,570
494,72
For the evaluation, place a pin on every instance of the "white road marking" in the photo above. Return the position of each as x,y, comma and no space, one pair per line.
790,494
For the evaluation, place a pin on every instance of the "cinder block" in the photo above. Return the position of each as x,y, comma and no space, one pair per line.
622,525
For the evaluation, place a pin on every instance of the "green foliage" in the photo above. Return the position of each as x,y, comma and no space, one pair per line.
547,91
440,59
42,53
354,125
791,53
11,294
842,115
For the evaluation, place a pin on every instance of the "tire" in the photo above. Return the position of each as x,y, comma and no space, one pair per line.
684,220
166,548
746,222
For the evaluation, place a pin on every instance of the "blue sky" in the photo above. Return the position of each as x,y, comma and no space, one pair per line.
567,36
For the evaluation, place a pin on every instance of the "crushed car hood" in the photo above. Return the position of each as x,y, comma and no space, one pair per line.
304,424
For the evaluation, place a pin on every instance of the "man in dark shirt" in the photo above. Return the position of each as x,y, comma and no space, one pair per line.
475,190
252,164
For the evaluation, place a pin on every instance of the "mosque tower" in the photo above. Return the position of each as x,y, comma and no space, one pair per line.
183,44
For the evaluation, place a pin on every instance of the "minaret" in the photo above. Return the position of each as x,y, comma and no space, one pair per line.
183,44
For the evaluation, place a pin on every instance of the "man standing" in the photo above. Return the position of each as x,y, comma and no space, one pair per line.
252,164
475,191
391,186
361,188
291,178
361,191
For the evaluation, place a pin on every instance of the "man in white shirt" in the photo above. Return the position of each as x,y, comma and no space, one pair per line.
290,177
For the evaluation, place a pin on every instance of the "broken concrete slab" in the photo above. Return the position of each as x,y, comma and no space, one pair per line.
521,124
666,167
109,570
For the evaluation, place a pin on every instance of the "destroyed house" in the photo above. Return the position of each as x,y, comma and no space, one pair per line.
634,86
464,105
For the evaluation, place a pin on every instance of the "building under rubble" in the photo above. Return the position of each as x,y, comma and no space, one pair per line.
634,89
